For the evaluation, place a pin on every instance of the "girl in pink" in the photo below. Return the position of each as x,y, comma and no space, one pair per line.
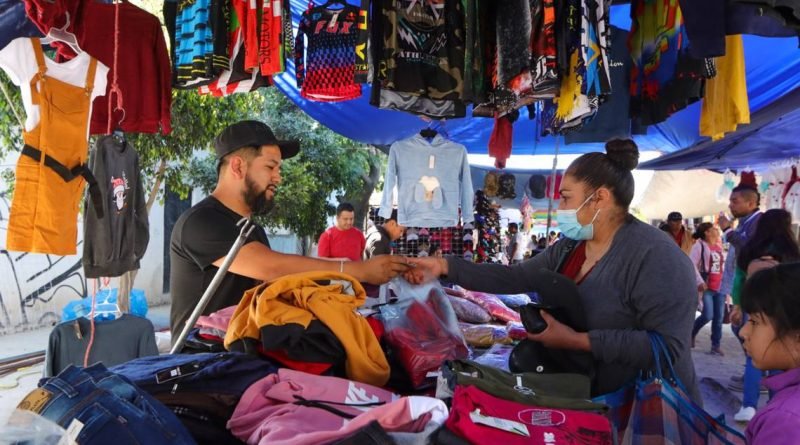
708,259
771,299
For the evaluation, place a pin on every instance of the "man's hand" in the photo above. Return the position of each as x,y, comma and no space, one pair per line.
378,270
736,315
724,222
425,270
560,336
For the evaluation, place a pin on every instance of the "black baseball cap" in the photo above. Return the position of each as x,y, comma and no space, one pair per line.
675,216
251,134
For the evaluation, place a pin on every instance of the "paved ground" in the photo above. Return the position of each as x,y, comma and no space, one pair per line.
713,372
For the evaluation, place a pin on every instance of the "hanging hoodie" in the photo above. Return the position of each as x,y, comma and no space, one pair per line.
113,243
433,180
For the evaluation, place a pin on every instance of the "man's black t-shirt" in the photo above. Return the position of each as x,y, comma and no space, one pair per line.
202,235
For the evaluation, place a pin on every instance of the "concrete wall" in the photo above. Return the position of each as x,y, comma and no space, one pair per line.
35,287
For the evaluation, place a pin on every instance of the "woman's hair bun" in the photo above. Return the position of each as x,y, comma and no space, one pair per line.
623,152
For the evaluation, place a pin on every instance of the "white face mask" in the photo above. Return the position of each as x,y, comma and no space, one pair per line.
569,225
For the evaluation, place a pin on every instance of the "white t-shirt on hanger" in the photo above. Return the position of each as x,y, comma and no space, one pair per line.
18,60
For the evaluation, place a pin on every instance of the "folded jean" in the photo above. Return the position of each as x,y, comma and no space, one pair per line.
101,407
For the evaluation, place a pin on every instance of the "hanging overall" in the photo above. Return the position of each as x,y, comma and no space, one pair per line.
52,168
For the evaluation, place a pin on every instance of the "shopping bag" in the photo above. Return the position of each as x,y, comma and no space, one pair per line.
657,410
422,331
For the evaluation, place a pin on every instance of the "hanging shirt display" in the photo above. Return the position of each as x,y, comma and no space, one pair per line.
202,39
613,117
114,243
433,180
51,169
725,105
326,70
422,51
665,78
145,77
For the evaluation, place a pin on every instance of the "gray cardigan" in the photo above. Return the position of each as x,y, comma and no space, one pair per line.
643,283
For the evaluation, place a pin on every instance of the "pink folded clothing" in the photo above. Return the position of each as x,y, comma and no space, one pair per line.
292,407
217,320
493,305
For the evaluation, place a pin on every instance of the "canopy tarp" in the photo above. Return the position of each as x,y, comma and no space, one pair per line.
771,136
773,68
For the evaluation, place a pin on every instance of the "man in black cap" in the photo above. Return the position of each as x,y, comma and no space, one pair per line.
675,228
380,237
249,160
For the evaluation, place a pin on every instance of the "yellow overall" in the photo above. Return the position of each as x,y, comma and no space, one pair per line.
51,170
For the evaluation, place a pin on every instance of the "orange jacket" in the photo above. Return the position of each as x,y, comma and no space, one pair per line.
299,299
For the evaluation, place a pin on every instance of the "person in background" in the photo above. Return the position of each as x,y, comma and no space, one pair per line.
553,238
380,237
743,204
708,257
675,228
771,300
342,241
631,277
772,242
249,159
516,244
435,251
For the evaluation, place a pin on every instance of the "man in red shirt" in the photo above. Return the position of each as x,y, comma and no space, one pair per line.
342,241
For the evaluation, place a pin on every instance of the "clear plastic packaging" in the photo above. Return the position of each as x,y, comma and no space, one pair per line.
31,429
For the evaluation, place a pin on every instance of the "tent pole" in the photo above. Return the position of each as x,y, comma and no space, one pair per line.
552,194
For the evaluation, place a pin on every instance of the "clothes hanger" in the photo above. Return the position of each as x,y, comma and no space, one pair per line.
429,132
62,35
330,3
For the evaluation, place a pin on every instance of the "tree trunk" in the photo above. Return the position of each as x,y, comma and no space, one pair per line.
162,169
360,199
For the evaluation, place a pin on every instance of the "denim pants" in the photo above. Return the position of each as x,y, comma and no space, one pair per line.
110,409
713,311
752,375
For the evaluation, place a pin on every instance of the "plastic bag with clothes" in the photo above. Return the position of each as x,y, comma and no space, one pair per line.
422,330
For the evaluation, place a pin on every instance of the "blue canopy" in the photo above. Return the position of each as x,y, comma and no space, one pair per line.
772,64
771,136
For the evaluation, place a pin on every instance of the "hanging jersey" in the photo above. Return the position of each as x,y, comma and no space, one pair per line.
201,56
270,54
325,72
236,79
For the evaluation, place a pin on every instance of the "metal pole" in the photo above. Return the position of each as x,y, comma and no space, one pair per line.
247,228
552,194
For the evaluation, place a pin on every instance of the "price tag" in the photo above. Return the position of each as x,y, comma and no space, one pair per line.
501,424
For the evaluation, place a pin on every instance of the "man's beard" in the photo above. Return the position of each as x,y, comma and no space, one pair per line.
257,199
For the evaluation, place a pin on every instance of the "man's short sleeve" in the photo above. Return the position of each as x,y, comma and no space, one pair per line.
208,235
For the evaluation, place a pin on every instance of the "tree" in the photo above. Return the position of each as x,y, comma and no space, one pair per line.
328,166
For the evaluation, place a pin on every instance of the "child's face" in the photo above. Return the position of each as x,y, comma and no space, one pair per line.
761,345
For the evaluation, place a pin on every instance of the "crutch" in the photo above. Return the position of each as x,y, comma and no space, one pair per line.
247,228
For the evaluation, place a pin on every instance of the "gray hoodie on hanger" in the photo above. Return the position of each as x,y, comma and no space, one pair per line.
114,244
643,283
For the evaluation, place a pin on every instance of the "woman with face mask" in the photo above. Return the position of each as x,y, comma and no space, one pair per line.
632,277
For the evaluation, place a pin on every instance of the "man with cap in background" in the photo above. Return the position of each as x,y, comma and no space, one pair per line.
675,228
249,159
380,237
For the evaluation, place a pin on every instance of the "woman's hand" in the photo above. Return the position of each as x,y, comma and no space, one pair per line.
425,269
560,336
736,315
702,287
